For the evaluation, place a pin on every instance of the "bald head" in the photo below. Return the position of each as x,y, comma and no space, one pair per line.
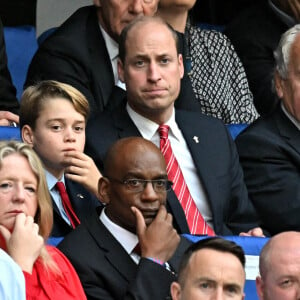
137,24
130,149
280,244
279,267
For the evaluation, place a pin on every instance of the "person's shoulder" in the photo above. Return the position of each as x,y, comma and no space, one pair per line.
263,130
73,28
202,119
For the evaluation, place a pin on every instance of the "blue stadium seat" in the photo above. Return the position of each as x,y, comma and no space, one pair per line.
10,133
54,241
21,45
252,247
236,129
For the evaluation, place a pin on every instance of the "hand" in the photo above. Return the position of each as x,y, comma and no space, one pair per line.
257,231
6,117
159,240
24,244
82,169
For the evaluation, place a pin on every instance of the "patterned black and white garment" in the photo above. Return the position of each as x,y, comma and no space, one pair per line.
218,77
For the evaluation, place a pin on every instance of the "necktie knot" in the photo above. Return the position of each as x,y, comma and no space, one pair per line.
163,131
61,187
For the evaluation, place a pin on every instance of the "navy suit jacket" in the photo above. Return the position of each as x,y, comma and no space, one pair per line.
76,54
215,158
106,271
269,152
83,203
8,99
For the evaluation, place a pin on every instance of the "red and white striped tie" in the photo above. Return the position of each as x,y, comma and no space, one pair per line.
196,222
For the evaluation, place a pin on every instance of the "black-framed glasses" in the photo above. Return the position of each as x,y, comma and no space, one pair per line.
138,185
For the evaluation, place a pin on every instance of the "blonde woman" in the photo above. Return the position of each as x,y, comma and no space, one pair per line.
26,222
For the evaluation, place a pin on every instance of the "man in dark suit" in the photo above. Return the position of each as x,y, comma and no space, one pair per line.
9,105
83,52
130,251
255,34
151,68
270,148
52,120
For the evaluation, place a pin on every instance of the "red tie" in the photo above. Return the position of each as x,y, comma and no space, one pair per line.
194,218
67,204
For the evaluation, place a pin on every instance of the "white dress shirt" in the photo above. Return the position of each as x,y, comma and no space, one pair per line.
149,131
51,182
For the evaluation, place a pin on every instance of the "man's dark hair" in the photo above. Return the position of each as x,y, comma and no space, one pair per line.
135,22
214,243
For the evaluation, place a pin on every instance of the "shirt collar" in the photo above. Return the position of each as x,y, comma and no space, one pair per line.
111,45
127,239
52,180
291,118
149,128
285,18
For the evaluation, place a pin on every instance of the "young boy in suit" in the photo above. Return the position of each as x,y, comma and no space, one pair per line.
53,117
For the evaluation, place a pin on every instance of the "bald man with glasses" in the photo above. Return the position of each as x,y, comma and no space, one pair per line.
130,250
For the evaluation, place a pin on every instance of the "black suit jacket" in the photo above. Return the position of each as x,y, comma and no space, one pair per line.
255,34
215,158
106,271
8,99
76,54
270,156
83,203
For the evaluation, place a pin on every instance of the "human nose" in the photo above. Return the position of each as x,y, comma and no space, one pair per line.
136,7
218,294
149,193
153,72
18,193
69,135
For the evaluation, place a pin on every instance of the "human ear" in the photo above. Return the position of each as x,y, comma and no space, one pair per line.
27,135
103,189
278,81
175,290
181,66
259,287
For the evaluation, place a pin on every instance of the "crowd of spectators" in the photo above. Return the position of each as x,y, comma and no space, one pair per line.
125,148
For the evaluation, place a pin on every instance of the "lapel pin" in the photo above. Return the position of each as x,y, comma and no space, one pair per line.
196,139
80,196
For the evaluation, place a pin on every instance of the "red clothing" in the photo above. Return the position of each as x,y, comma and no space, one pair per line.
42,284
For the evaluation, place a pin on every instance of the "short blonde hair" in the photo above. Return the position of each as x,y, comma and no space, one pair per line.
35,98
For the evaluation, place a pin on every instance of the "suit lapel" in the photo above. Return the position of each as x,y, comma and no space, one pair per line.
197,143
124,125
287,129
114,252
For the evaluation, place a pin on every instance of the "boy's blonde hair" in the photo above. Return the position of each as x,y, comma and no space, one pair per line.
35,98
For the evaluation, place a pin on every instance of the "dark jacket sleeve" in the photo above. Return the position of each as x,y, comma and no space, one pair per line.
8,100
271,167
